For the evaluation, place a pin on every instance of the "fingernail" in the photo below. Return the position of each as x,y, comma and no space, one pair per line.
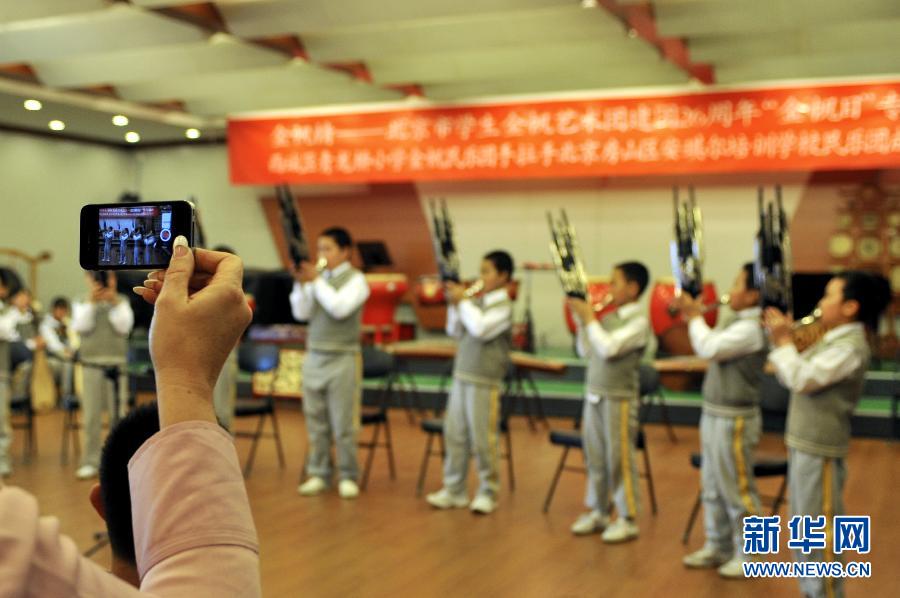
151,284
138,290
181,246
153,275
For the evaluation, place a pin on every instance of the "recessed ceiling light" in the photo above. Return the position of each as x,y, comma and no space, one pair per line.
120,120
192,133
132,137
33,105
56,125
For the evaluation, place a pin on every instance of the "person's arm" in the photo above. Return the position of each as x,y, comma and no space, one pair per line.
83,315
121,316
484,325
740,338
8,323
340,303
301,301
629,337
454,327
48,333
806,375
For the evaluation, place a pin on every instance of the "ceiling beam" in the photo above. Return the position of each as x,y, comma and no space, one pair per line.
640,21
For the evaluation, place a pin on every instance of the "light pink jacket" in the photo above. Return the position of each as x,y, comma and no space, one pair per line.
193,530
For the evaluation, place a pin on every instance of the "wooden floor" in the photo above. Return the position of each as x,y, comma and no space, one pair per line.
389,543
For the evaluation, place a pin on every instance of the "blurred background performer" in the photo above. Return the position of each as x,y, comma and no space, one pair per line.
332,302
55,330
104,320
731,422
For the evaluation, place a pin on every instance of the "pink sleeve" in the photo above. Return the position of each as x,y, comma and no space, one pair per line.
193,529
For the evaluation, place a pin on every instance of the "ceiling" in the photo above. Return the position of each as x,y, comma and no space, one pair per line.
174,64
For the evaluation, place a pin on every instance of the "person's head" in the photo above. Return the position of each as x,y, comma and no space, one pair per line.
628,281
496,270
60,308
334,245
111,497
744,291
22,299
124,232
92,283
854,296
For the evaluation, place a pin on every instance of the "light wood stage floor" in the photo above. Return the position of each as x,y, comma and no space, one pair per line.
389,543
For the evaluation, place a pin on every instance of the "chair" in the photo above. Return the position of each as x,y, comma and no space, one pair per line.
377,364
20,408
571,439
434,427
253,357
650,389
71,428
762,468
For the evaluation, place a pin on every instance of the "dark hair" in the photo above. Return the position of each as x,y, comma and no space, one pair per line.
871,291
502,261
339,235
750,281
60,302
635,272
123,441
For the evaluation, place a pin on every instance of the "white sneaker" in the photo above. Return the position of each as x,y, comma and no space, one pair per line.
5,469
312,487
443,499
588,523
733,569
620,530
705,558
348,489
483,504
86,472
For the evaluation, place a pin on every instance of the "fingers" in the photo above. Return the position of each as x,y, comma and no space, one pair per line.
179,272
197,281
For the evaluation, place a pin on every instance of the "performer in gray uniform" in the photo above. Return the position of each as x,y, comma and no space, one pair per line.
614,347
332,303
108,235
826,382
136,253
472,419
731,423
104,320
54,329
123,242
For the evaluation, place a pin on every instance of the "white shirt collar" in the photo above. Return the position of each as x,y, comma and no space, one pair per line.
338,270
629,309
843,330
750,313
495,296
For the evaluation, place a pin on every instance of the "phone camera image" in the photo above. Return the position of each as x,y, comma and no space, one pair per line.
135,236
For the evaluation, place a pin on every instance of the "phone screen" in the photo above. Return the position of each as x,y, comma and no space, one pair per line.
133,236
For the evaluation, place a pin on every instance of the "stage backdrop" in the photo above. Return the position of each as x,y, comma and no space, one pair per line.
847,126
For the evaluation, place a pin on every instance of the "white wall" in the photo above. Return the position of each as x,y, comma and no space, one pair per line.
43,184
627,219
231,215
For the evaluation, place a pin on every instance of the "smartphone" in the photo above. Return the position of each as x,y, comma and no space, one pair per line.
135,236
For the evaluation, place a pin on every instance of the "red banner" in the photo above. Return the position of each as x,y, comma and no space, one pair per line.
799,128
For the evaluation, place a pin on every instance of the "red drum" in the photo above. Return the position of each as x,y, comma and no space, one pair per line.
598,287
385,292
672,329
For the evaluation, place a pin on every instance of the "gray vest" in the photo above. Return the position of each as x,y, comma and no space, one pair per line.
617,377
483,362
330,335
103,343
731,388
819,422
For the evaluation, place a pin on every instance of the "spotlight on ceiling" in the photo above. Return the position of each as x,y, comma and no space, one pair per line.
192,133
33,105
120,120
132,137
56,125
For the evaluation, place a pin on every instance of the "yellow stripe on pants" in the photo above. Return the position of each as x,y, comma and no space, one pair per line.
625,447
737,446
827,510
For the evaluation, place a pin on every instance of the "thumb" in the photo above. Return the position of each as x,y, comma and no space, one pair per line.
180,270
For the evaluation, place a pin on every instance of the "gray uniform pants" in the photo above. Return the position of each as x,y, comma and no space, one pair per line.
225,391
5,427
816,487
332,392
609,432
728,487
97,397
472,425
